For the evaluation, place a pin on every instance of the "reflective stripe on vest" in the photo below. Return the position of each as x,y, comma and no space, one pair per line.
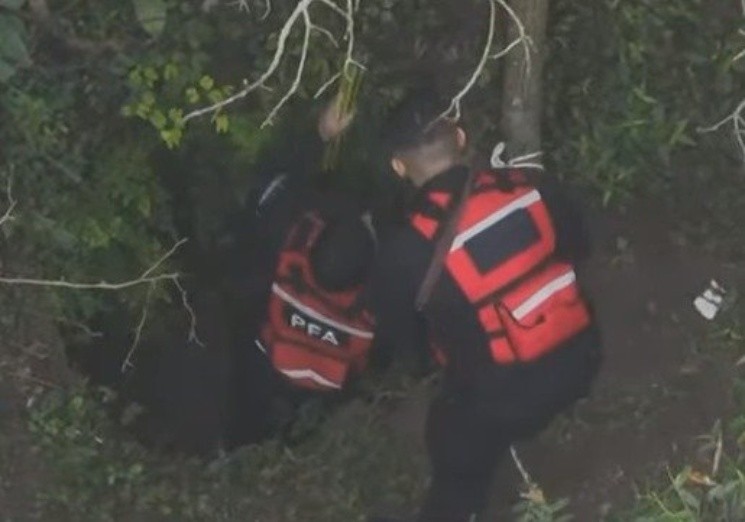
276,289
314,338
502,259
306,374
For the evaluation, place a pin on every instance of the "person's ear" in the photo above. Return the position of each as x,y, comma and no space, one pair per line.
398,166
461,138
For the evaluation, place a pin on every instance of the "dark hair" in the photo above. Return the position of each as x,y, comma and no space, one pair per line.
416,120
342,255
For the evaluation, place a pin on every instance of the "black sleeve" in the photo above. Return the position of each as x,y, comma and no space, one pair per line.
400,331
572,236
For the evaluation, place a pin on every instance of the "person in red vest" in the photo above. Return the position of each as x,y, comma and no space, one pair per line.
299,268
483,276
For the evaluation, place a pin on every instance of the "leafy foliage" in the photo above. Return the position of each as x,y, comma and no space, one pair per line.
628,83
329,476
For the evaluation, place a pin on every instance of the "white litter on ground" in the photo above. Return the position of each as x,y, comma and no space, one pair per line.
710,302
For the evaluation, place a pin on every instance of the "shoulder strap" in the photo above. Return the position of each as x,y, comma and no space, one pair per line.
443,245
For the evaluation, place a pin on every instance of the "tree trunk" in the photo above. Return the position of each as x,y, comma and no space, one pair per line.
522,106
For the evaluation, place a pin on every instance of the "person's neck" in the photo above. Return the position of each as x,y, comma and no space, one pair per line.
433,170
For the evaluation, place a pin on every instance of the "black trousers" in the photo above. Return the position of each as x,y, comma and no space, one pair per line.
471,425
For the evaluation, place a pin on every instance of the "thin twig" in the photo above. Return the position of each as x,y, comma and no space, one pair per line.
127,364
8,215
300,12
145,278
298,74
718,452
189,310
519,465
522,37
267,11
504,52
326,85
103,285
300,9
325,32
454,110
738,122
164,257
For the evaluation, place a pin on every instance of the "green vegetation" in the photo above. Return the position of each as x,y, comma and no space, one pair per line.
108,176
351,463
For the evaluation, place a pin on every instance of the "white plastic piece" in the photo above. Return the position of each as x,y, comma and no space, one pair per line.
710,302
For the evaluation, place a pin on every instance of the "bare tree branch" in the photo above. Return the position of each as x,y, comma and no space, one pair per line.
737,117
8,214
300,14
284,34
454,110
193,337
298,74
127,364
522,38
738,126
146,277
328,83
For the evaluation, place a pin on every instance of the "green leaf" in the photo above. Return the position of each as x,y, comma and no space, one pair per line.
135,77
152,15
206,83
12,45
192,95
151,76
170,71
172,137
222,123
158,119
176,116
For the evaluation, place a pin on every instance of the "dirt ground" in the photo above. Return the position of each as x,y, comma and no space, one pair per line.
657,392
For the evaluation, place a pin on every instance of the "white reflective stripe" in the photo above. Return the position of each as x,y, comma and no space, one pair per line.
307,373
275,184
543,294
521,202
320,317
259,345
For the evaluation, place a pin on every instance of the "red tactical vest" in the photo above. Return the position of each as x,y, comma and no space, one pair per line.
313,337
502,258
